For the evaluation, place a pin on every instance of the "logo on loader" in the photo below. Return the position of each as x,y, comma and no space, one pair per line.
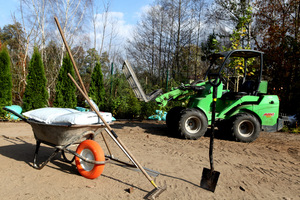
269,115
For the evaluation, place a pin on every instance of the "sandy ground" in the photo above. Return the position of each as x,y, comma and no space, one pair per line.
268,168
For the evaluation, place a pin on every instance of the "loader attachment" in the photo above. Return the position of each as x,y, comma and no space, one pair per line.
136,86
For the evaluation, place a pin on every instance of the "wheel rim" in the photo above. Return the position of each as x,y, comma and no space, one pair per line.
88,154
193,124
246,128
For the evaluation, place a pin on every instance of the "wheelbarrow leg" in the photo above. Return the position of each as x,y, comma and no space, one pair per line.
106,144
37,147
35,165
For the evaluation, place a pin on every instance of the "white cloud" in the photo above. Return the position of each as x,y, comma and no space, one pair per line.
115,25
142,11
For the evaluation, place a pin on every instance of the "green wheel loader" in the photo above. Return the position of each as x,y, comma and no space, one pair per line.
243,107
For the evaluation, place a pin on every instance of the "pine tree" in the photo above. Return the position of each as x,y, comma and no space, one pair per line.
36,95
65,96
5,80
96,91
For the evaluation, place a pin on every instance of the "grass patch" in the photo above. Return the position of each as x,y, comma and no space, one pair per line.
290,129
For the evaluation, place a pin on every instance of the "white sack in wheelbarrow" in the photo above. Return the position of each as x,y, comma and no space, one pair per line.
46,115
82,118
66,116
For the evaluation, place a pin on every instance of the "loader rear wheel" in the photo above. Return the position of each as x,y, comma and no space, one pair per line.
192,124
92,151
246,128
172,119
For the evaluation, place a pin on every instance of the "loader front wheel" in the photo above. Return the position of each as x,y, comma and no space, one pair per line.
246,128
192,124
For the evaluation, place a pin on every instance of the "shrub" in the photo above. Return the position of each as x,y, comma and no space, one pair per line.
5,81
97,91
133,110
65,96
36,95
148,109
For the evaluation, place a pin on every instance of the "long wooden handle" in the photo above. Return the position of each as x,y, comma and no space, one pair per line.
114,134
84,93
70,54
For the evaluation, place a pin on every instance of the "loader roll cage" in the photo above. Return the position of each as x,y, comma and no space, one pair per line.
219,68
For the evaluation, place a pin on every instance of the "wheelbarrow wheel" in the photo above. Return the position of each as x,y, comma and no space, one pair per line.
92,151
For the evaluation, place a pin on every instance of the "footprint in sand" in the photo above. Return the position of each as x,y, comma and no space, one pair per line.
294,153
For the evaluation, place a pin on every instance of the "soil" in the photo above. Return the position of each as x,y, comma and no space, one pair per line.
268,168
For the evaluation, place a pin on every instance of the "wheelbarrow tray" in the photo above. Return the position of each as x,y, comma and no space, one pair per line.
63,134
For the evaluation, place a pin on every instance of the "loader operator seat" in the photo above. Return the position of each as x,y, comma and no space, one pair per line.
247,88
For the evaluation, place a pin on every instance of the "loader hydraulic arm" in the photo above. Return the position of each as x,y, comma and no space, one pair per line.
164,98
179,93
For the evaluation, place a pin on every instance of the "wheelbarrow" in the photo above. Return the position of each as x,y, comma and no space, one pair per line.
89,156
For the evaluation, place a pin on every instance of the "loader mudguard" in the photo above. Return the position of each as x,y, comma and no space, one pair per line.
227,109
265,108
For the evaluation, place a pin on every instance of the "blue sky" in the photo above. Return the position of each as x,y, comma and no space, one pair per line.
6,8
125,12
130,9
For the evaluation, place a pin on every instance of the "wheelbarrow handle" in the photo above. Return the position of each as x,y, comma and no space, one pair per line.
15,113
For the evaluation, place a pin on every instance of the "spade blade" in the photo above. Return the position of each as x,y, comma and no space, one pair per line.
209,179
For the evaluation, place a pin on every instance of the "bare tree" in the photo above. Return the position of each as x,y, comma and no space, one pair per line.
225,16
71,14
105,14
40,10
168,38
24,38
197,8
94,12
113,46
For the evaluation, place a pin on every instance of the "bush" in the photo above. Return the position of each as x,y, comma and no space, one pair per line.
124,107
65,90
36,95
133,107
5,81
97,91
148,109
289,129
123,104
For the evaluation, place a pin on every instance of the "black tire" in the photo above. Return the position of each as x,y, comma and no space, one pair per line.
245,128
192,124
172,119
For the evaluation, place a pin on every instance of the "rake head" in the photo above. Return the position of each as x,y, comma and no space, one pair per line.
155,192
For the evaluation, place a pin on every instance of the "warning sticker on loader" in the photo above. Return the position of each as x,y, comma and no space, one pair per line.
269,115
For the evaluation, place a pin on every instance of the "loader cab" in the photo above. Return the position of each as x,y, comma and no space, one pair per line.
240,72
